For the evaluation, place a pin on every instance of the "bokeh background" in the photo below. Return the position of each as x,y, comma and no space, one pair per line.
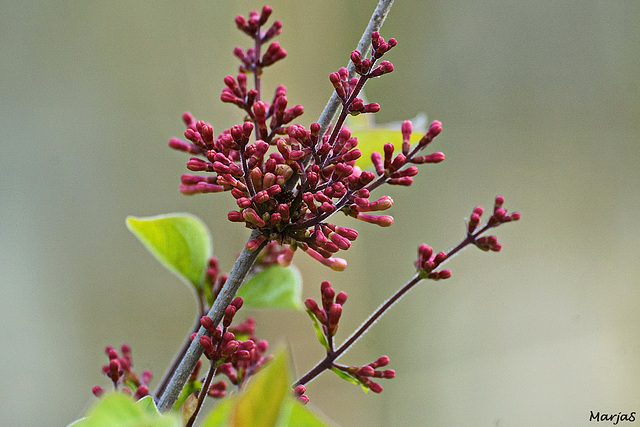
539,101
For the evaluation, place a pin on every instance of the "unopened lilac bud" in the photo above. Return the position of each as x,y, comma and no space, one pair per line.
178,144
229,312
384,68
207,323
327,293
366,371
381,220
439,258
112,353
349,233
342,242
146,376
444,274
264,15
333,318
398,162
341,298
375,387
254,244
187,118
141,392
388,154
372,107
252,217
430,158
473,222
383,203
196,164
235,216
312,306
99,391
230,348
243,202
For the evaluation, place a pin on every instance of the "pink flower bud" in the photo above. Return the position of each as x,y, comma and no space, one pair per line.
235,216
381,220
375,387
254,244
366,371
99,391
349,233
252,217
207,323
229,312
341,298
141,392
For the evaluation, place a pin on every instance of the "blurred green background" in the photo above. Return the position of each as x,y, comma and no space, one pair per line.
539,102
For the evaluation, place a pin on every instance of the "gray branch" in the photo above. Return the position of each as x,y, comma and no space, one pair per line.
224,298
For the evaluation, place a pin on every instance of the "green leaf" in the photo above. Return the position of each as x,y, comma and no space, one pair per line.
266,402
299,415
345,376
220,416
318,329
260,403
180,242
274,287
119,410
148,405
189,388
372,137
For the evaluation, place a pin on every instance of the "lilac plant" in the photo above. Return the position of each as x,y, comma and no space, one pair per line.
288,180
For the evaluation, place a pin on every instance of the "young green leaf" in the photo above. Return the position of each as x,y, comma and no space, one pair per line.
273,287
261,402
189,388
180,242
350,379
299,415
119,410
318,329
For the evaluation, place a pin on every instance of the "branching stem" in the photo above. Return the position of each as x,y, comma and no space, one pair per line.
192,355
168,396
332,355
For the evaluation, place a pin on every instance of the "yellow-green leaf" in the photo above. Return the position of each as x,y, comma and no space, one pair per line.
120,410
274,287
180,242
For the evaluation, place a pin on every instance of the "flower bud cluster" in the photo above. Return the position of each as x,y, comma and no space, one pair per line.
120,371
394,169
329,315
299,393
499,216
364,374
237,359
427,263
274,253
221,345
291,179
251,62
213,279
